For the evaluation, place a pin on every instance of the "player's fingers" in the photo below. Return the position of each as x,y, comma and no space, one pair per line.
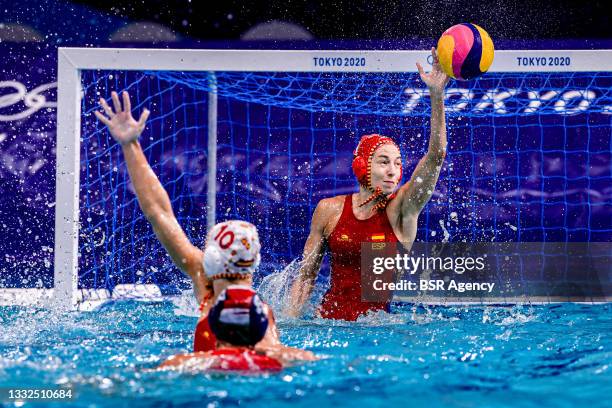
116,102
434,54
143,117
102,118
420,69
127,105
106,108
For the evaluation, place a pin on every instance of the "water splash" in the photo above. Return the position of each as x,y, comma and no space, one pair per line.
186,304
509,316
275,287
107,356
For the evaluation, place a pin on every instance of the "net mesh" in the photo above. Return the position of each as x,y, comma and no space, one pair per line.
529,159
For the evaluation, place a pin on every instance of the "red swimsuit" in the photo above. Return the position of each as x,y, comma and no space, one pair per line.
227,359
243,359
204,339
343,299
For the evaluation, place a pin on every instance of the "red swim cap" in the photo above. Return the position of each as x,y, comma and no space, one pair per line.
362,157
362,167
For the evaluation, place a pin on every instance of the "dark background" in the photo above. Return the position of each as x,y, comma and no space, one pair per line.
263,24
366,19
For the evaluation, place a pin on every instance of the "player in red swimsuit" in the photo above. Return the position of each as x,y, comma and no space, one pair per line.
239,320
232,248
231,256
379,212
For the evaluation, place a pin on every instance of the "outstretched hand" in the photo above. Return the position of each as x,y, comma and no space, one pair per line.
435,80
120,122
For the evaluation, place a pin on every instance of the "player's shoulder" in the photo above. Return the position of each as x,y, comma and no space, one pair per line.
326,210
330,205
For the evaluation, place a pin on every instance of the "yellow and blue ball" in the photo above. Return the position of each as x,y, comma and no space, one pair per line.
465,51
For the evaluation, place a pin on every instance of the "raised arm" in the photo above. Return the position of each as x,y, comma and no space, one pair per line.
417,192
314,249
152,197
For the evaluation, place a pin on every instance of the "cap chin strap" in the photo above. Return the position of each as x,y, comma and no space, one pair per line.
229,275
381,199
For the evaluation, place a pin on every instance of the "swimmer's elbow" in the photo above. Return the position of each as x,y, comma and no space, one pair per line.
151,212
309,270
437,156
311,259
154,207
162,220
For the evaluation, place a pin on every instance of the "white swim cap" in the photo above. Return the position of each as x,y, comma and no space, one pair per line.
232,250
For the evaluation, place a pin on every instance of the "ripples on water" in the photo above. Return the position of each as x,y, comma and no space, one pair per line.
558,355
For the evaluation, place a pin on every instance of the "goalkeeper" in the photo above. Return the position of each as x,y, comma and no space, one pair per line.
379,212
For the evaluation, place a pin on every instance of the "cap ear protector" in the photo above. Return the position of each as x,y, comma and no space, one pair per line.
360,169
239,316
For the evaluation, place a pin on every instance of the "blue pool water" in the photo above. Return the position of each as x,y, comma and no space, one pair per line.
521,356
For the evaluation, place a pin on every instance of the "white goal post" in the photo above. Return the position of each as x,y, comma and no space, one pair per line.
71,61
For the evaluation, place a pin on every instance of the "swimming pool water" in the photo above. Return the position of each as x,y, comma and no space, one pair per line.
522,356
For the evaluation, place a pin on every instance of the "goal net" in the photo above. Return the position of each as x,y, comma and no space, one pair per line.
529,155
